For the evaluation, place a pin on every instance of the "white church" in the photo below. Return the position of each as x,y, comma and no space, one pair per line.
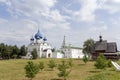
38,42
44,49
68,51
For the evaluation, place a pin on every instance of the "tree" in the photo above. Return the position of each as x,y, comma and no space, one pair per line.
101,62
31,70
22,51
34,54
15,51
85,59
3,51
41,65
8,51
64,70
70,62
52,64
88,46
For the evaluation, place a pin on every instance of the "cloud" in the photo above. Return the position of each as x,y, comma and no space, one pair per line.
27,16
86,12
78,20
2,21
99,29
29,8
111,6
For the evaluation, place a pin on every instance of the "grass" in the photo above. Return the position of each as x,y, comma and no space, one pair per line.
14,70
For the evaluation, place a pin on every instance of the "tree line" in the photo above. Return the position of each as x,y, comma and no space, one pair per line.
12,52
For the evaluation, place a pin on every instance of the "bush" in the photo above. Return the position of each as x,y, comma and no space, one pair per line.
101,62
41,65
63,68
85,59
31,70
52,64
109,64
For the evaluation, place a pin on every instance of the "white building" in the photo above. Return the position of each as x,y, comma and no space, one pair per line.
38,42
68,51
44,49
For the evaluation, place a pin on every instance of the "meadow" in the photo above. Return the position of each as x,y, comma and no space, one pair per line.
14,70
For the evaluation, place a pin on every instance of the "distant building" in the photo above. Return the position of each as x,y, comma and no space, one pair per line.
68,51
44,49
108,49
38,42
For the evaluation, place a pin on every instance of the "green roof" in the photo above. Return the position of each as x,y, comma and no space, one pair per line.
73,47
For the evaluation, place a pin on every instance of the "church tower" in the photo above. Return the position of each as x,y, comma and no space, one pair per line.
63,43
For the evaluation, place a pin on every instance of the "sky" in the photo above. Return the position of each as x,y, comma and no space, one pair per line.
78,20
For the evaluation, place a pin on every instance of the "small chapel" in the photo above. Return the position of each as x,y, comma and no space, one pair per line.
108,49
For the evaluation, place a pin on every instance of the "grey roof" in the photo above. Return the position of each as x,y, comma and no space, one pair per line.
101,45
72,47
105,46
111,47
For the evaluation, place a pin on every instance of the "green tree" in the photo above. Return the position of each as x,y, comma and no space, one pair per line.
85,59
3,50
41,65
109,64
52,64
101,62
64,70
34,54
7,51
87,47
15,51
22,51
70,62
31,70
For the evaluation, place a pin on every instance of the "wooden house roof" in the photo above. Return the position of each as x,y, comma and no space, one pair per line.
103,45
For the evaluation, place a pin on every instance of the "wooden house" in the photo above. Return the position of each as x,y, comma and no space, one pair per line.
108,49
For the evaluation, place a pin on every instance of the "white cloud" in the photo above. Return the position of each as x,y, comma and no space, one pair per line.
2,21
87,10
116,1
112,6
28,16
86,13
99,29
28,8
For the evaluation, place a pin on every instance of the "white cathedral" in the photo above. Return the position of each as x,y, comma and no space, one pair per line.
44,49
38,42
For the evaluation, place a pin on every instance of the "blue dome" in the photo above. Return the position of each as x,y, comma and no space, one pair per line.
45,39
38,35
32,39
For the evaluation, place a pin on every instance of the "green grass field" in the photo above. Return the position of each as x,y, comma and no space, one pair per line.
14,70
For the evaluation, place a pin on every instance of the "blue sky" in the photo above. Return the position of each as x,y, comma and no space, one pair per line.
79,20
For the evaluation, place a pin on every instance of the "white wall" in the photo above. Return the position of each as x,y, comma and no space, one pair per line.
76,53
57,55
